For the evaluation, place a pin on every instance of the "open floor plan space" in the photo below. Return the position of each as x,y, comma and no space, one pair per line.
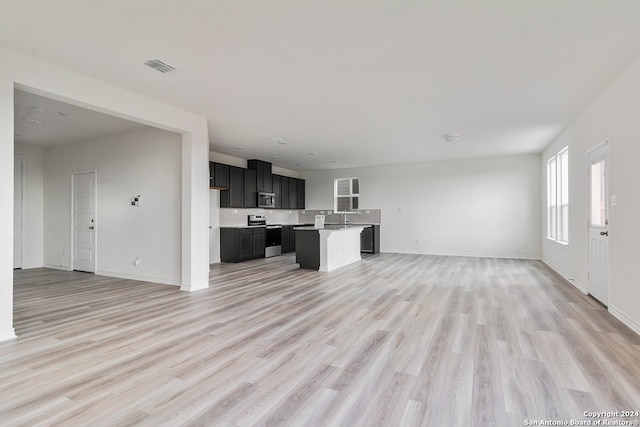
391,340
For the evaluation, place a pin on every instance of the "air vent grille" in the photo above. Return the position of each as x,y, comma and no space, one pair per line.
156,64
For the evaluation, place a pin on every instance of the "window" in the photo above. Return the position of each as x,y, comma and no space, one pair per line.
558,196
345,194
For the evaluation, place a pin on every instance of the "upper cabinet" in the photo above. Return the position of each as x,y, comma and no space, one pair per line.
250,194
301,194
276,181
218,176
263,175
234,196
240,186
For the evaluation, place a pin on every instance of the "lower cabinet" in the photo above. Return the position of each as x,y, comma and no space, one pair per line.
370,239
242,244
288,239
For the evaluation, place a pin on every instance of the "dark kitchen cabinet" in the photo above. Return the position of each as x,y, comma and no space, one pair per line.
250,194
241,244
370,239
293,193
284,190
239,186
234,196
301,194
276,181
218,176
263,175
288,239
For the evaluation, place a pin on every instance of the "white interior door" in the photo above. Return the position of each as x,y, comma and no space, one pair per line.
18,206
84,233
598,225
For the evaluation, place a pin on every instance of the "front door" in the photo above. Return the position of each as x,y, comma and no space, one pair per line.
598,225
84,233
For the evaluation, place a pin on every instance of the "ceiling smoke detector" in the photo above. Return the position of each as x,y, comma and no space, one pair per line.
156,64
451,137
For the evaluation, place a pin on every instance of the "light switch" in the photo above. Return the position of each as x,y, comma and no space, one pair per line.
614,200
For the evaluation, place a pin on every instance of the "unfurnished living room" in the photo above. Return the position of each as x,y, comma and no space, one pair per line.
383,213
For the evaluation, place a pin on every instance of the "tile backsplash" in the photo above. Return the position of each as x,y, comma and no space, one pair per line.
237,216
363,216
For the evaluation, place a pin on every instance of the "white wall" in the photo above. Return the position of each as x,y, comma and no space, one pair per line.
144,162
36,76
477,207
613,115
32,241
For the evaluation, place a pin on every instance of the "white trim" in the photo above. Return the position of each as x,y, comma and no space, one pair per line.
603,143
58,267
23,162
581,287
95,216
136,277
466,255
8,334
618,314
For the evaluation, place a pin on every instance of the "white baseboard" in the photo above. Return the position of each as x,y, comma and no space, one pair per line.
58,267
618,314
7,334
140,278
581,287
461,254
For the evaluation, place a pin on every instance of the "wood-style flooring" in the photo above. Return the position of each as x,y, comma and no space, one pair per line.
393,340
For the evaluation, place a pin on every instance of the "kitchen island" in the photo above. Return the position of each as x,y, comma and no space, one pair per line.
326,249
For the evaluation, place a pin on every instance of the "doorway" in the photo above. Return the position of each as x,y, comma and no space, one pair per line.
83,214
599,224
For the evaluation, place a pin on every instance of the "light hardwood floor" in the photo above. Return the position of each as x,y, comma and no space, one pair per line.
394,340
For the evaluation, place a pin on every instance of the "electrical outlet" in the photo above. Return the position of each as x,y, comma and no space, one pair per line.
137,262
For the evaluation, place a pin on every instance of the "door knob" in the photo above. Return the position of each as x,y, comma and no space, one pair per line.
91,227
604,233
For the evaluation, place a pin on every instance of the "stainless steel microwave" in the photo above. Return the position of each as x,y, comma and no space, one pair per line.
266,200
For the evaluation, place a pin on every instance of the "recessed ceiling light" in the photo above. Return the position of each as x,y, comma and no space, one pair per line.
36,110
451,137
279,139
299,164
239,148
274,157
312,153
333,161
61,114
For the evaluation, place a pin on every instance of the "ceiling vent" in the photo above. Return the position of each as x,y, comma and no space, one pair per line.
156,64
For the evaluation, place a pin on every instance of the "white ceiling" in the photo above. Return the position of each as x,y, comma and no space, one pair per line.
45,122
357,82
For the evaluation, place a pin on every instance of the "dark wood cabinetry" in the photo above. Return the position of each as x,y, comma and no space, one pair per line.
239,186
241,244
218,176
263,175
284,192
234,196
370,239
276,184
288,239
293,193
250,194
301,194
